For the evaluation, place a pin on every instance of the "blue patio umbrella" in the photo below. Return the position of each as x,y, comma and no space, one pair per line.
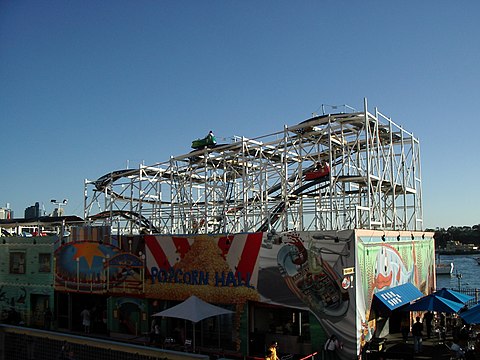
453,295
472,315
436,303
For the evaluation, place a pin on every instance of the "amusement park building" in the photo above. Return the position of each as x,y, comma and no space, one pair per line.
296,252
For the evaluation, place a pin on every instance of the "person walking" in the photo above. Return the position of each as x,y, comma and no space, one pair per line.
427,318
331,347
151,339
85,314
417,329
157,336
405,327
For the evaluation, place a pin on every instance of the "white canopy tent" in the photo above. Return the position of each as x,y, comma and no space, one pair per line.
194,310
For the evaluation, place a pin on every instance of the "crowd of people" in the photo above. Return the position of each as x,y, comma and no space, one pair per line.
465,343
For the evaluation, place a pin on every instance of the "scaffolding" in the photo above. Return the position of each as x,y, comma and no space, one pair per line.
262,184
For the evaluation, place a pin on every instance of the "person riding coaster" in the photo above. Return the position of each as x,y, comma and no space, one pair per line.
321,169
208,141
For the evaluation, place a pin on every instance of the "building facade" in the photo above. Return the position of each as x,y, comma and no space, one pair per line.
297,288
26,278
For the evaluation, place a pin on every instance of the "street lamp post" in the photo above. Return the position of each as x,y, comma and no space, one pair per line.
59,205
459,279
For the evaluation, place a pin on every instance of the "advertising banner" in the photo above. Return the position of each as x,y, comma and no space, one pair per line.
385,262
98,268
312,271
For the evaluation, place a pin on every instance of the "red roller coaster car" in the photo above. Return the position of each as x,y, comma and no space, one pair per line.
320,171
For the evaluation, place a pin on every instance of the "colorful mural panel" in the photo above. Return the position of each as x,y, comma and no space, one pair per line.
217,268
98,268
388,260
306,270
313,271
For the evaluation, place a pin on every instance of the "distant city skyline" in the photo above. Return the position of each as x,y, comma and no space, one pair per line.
54,212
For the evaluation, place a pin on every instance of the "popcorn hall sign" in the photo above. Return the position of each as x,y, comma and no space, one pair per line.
196,277
181,265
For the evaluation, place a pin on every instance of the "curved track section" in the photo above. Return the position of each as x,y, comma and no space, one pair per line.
141,221
250,184
283,206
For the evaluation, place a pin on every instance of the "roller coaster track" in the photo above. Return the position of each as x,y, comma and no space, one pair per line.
334,137
103,183
283,205
132,216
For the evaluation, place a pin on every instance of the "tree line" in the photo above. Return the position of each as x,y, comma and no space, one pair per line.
463,234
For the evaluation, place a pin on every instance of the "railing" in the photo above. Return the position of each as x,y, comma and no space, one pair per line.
17,342
27,343
286,357
468,291
309,356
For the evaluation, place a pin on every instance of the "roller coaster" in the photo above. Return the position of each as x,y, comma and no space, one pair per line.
266,183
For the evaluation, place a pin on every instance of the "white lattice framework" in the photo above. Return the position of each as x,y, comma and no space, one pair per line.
259,184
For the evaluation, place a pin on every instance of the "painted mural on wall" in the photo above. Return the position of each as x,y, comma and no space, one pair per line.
97,267
203,263
311,267
13,301
19,303
313,271
385,264
217,268
306,270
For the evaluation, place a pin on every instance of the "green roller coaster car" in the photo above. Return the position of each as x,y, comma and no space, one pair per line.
207,141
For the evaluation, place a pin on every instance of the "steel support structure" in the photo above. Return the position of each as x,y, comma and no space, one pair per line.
260,185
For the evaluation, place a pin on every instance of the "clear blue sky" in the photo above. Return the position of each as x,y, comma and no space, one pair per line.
86,86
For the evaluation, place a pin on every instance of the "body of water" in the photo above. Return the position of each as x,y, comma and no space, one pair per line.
466,272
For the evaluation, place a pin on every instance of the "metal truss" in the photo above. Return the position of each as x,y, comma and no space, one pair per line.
260,185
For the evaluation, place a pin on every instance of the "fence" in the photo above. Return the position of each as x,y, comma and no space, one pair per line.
472,292
18,343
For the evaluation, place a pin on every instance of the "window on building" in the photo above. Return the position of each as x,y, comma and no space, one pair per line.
44,263
17,262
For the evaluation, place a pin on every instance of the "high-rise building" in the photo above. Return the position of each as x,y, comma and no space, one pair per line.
6,213
33,212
